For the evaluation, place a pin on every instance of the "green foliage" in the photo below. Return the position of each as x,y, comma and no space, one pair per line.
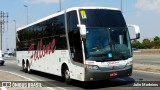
147,44
157,42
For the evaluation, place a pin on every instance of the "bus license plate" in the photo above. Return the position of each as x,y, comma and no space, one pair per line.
113,74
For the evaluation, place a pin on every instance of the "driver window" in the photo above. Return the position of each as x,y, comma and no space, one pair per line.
74,37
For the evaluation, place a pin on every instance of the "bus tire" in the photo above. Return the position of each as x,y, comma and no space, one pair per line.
28,68
67,76
23,67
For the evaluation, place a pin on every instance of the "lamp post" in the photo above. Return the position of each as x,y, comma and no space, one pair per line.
15,31
15,24
121,6
7,44
60,5
27,12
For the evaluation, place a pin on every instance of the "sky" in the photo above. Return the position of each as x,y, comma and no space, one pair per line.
145,13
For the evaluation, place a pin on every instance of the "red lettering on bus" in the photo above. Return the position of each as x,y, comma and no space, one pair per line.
41,50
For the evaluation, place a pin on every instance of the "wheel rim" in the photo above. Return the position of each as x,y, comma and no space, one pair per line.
28,68
67,75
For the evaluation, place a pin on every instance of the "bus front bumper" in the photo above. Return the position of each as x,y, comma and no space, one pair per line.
95,75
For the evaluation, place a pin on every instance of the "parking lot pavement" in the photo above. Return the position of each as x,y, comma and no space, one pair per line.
9,77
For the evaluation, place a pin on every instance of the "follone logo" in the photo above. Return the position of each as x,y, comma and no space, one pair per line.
41,49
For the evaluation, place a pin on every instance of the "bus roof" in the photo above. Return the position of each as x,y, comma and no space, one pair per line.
62,12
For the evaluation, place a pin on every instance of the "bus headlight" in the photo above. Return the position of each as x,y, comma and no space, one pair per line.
129,63
93,67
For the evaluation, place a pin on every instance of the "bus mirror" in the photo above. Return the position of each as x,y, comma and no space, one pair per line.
137,31
82,30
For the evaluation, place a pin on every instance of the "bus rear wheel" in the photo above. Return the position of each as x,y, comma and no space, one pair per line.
28,68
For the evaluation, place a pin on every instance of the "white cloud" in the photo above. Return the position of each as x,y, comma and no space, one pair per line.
148,5
44,1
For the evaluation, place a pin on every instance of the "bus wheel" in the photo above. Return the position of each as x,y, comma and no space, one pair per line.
23,67
28,68
67,76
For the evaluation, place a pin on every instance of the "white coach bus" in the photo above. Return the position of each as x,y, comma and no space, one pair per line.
80,43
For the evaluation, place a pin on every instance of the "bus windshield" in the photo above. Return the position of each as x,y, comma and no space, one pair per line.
103,44
107,35
102,18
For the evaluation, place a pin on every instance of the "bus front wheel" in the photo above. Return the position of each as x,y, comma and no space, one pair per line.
67,76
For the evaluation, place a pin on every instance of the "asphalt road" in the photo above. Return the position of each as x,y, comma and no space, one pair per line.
115,84
147,59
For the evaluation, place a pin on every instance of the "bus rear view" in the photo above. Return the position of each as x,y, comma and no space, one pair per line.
107,45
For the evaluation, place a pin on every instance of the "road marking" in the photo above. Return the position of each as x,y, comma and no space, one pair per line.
3,88
146,72
18,75
48,83
33,80
10,62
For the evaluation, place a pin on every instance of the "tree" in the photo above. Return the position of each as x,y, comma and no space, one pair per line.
136,44
156,42
147,43
156,38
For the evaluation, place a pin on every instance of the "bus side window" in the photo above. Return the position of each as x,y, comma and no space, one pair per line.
74,37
